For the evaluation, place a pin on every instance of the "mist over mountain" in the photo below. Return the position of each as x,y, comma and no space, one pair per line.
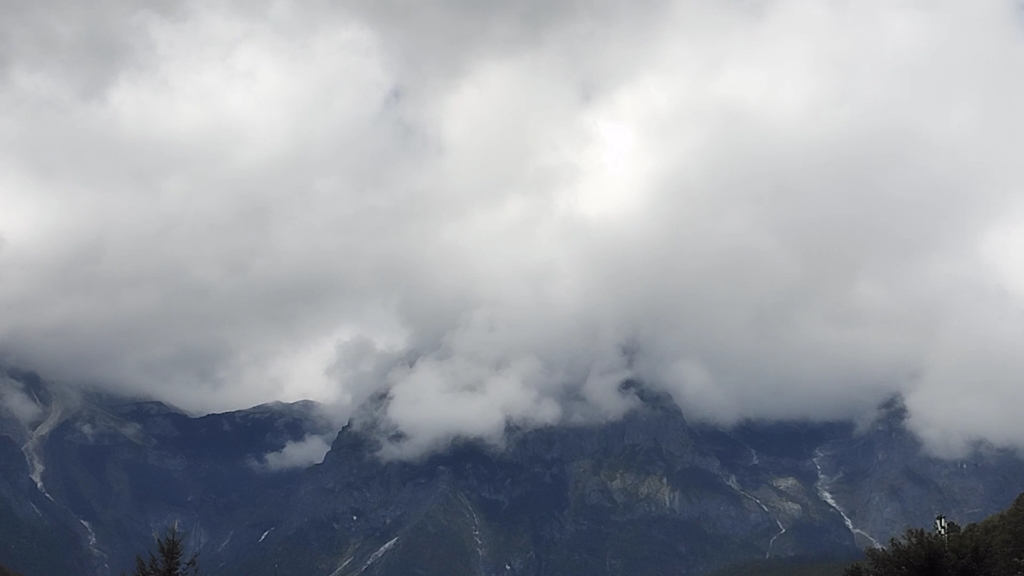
536,287
495,213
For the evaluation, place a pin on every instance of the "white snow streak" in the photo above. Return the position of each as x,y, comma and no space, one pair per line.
476,531
376,555
822,486
92,539
731,481
230,534
33,447
342,567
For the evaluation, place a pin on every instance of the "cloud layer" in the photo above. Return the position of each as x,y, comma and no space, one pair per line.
496,212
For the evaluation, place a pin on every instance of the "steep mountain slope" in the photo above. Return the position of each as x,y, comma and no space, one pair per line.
650,494
885,482
86,480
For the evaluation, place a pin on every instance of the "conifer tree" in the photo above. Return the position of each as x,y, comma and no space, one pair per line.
170,558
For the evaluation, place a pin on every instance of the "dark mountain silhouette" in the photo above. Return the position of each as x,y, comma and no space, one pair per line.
651,493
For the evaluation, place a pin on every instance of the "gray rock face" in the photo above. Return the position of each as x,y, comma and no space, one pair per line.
884,481
649,494
93,478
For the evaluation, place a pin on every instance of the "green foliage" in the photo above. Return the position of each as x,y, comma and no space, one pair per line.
1004,537
993,547
169,559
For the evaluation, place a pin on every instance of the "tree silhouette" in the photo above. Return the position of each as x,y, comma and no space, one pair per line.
990,548
922,553
169,559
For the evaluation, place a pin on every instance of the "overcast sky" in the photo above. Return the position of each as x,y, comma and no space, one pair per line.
498,211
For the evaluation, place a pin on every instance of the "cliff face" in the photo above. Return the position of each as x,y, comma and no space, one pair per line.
885,482
646,495
93,477
649,494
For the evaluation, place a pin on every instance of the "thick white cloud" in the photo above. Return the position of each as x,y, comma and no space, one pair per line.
15,402
497,212
302,454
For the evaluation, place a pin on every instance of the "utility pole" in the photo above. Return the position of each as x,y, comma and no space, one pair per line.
942,527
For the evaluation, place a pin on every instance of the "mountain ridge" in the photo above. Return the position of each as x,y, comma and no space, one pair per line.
651,493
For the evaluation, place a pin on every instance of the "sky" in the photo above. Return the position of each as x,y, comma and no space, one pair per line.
497,212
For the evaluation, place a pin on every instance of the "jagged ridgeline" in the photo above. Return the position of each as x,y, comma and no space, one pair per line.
86,480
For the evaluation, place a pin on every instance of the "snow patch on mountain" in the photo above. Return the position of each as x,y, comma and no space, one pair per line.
33,449
731,481
822,486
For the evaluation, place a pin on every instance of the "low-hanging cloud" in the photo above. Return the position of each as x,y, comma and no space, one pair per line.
14,401
497,212
301,454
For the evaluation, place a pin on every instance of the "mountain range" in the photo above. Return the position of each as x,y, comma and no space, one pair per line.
87,479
